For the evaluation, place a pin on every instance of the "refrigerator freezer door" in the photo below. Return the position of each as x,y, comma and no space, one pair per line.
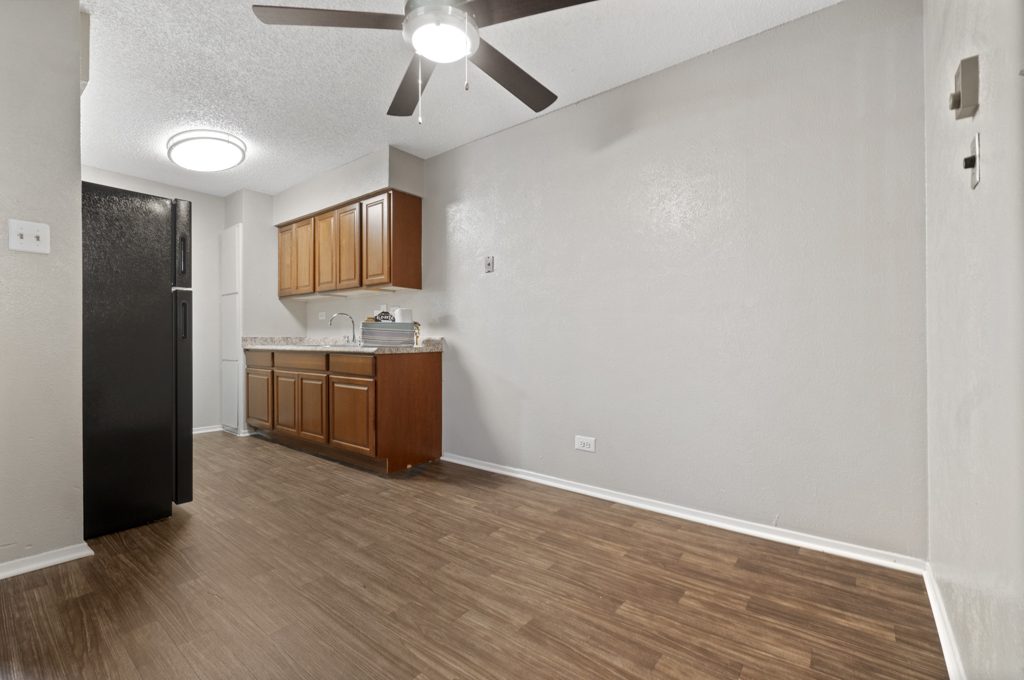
182,396
182,244
127,359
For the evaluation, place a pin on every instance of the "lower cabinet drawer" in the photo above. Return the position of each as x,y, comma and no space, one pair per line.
353,403
301,361
352,364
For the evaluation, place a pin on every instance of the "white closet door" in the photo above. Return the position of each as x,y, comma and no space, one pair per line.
231,365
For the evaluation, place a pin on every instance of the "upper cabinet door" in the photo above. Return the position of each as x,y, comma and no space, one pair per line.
377,240
326,248
349,248
286,261
305,264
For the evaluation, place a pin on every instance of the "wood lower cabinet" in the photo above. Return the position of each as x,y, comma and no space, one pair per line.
312,406
286,402
384,410
353,417
259,398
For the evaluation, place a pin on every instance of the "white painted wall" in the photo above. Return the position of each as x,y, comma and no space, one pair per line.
405,172
717,271
207,221
359,177
40,296
263,313
975,264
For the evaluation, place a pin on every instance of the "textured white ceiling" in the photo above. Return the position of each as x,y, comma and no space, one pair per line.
309,99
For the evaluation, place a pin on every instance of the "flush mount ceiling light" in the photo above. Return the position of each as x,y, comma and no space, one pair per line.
441,33
205,150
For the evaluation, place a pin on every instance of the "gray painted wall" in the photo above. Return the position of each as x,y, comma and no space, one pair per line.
40,296
718,271
361,176
975,264
207,221
263,313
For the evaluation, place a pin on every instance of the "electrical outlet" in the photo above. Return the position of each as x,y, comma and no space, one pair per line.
322,316
588,444
489,264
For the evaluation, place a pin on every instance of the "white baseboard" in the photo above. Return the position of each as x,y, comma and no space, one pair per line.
882,558
954,665
23,565
222,428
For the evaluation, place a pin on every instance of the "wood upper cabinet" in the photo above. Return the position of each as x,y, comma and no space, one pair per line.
337,238
377,240
350,254
259,402
353,414
312,407
392,240
325,244
286,261
305,265
373,242
296,266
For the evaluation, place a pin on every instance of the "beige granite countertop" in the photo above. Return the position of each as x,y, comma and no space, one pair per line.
337,345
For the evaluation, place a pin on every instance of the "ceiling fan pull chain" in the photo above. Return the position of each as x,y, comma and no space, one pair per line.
419,81
467,54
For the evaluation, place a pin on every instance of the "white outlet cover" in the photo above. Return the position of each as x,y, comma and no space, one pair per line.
588,444
28,237
322,316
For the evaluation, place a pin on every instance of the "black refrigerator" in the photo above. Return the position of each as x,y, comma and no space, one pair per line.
137,357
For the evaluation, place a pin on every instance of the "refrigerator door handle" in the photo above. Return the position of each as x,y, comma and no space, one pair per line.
184,320
183,255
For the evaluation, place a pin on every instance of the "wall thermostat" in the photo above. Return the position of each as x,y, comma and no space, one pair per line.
964,100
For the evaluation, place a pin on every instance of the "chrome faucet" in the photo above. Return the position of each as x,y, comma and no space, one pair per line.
351,320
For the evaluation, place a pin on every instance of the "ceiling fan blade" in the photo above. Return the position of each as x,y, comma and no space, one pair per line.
489,12
304,16
512,78
407,97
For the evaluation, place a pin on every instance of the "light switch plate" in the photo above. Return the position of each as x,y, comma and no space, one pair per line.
28,237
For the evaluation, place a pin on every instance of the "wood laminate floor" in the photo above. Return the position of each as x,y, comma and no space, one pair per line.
287,566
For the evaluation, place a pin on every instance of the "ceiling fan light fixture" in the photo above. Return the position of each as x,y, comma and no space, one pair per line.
205,150
441,33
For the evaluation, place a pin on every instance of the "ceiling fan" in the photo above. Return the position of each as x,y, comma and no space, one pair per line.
441,32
